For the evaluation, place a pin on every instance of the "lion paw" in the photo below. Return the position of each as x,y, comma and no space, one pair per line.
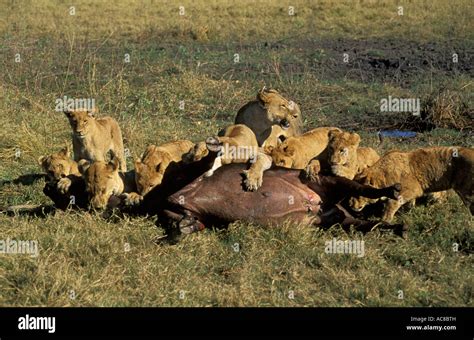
63,185
312,170
252,182
132,198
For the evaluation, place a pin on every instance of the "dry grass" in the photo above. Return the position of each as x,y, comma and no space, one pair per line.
448,110
191,58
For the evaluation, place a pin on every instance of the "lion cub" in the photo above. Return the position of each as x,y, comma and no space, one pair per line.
234,144
420,171
103,180
150,169
294,153
93,138
60,167
297,152
270,108
345,157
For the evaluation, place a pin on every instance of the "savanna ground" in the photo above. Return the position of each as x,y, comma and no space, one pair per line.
88,261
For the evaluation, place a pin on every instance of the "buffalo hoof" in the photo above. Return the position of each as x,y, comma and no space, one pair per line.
189,225
213,144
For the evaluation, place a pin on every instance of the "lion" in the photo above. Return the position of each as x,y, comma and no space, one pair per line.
294,153
60,168
93,138
421,171
277,135
104,180
234,144
151,167
59,165
270,108
345,157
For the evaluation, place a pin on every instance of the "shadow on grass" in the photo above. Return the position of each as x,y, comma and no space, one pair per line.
28,179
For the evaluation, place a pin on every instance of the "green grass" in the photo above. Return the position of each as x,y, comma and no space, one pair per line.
191,58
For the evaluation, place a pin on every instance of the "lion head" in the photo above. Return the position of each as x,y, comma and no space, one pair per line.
150,169
342,153
282,156
80,121
198,152
280,110
102,181
58,165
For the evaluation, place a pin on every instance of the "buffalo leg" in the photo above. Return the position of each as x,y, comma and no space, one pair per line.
340,215
335,189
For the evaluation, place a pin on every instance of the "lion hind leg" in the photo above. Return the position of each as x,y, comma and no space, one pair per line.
405,196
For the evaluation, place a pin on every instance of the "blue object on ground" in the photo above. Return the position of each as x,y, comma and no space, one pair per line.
397,133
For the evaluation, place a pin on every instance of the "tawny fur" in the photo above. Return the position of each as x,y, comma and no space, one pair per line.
150,169
59,166
234,144
421,171
93,138
345,157
104,180
270,108
296,152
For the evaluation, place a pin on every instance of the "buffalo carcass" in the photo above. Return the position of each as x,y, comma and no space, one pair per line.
285,195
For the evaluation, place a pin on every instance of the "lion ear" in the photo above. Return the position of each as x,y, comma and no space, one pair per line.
333,133
65,151
362,177
291,105
355,139
42,159
68,113
113,164
83,165
262,96
138,163
268,149
290,151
